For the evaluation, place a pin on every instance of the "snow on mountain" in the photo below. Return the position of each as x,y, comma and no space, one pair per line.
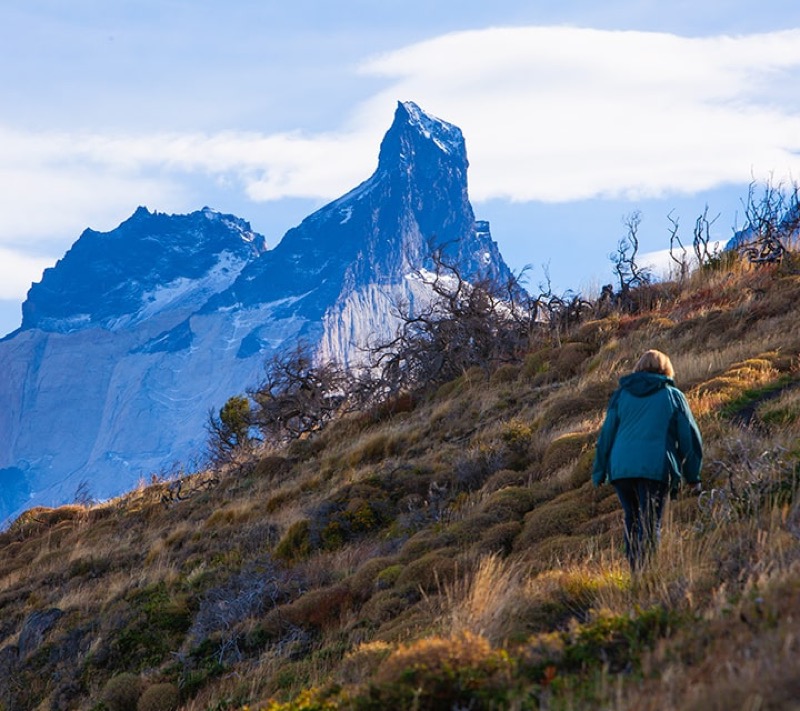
136,333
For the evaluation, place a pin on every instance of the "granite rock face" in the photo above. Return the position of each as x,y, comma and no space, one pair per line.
130,339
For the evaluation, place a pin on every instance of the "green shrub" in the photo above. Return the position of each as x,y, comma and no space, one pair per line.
503,478
159,697
428,573
500,538
538,363
516,436
582,471
296,542
508,504
506,373
438,673
559,517
165,612
566,449
337,526
427,540
365,581
122,692
388,576
617,641
384,606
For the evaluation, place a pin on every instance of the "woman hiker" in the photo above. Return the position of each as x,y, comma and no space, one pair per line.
648,443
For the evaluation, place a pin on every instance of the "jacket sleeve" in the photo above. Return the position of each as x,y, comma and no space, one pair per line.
600,471
690,441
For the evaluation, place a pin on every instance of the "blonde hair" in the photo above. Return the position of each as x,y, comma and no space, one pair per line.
654,361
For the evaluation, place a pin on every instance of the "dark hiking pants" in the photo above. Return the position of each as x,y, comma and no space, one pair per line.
643,503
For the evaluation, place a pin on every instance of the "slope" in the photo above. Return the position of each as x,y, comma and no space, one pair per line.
448,552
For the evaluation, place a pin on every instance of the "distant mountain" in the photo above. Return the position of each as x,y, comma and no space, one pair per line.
136,333
147,265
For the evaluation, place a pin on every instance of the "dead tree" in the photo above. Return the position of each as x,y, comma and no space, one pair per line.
297,396
704,253
772,223
629,273
677,252
464,323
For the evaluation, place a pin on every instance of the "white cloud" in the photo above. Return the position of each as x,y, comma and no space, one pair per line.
18,270
548,113
54,185
54,181
562,113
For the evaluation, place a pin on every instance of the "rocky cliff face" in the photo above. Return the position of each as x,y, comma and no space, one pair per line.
135,334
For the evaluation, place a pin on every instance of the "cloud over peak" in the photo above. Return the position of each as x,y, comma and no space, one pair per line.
549,113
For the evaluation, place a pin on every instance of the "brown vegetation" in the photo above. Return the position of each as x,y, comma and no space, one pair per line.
448,550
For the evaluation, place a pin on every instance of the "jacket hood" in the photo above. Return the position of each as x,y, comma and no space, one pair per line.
643,384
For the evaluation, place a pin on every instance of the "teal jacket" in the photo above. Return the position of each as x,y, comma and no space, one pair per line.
649,432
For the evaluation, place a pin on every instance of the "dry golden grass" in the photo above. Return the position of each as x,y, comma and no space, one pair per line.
480,602
519,555
748,659
363,662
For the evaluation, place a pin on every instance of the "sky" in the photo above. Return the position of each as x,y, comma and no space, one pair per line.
576,114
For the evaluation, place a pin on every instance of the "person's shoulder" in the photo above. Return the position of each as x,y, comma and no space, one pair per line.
675,393
614,399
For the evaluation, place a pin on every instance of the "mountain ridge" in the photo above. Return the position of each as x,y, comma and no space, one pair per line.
146,252
145,328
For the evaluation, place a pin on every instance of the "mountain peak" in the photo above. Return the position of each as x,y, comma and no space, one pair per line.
130,339
413,130
447,136
107,275
383,228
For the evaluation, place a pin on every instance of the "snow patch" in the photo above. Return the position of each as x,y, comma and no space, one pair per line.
185,291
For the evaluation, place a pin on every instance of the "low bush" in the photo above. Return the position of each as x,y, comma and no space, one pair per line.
508,504
319,609
121,692
503,478
424,542
428,573
442,673
296,542
159,697
537,364
384,606
363,662
505,374
566,449
570,358
364,581
499,538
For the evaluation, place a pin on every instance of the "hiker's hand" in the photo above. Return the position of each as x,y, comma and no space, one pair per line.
694,489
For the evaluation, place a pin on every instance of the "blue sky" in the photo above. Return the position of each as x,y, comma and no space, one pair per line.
575,114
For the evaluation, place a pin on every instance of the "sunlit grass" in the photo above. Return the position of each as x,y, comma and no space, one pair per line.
483,548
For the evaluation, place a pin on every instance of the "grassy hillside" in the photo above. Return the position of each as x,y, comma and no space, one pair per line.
449,552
